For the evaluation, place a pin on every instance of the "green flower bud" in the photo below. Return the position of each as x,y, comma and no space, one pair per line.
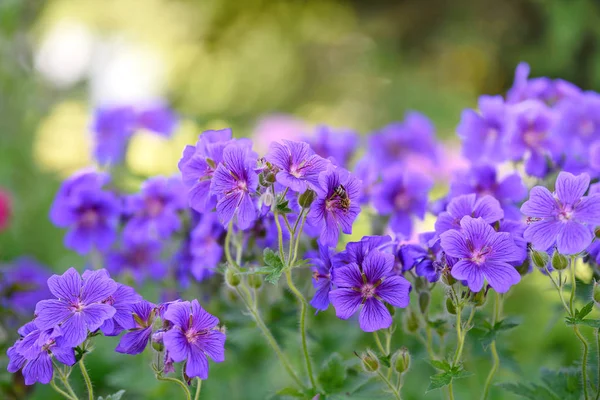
424,299
411,321
450,306
391,309
370,362
270,177
255,281
539,258
448,279
559,262
478,299
401,360
420,284
597,233
306,198
596,293
232,278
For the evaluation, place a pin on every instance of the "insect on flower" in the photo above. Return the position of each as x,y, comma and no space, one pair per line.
340,191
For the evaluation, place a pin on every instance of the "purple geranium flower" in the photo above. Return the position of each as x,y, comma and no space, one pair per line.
322,276
482,254
425,257
122,300
233,183
566,218
139,322
33,353
299,165
483,133
356,252
205,247
369,286
154,211
542,88
112,128
337,204
483,180
157,118
336,145
402,194
139,258
193,337
23,284
78,307
485,207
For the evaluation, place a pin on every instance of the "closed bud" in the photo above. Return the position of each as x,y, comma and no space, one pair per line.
450,306
157,340
411,321
391,309
370,362
401,360
559,262
420,284
478,299
255,281
539,258
270,177
597,233
447,278
596,293
232,278
424,299
306,198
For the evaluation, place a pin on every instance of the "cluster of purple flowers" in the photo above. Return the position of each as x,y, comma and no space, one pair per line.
85,305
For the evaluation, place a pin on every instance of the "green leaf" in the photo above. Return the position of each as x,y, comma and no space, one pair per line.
291,392
535,392
442,365
439,380
274,266
594,323
563,384
487,333
333,374
581,314
115,396
283,207
444,378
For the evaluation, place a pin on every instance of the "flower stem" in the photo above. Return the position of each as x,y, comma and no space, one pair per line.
598,346
303,307
183,386
390,385
279,237
496,360
573,286
558,287
64,378
61,392
379,345
198,388
86,378
576,330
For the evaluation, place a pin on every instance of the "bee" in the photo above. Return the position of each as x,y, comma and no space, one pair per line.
340,191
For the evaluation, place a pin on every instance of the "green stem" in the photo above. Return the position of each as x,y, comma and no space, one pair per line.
496,360
295,256
227,246
272,342
390,385
460,334
559,289
198,388
60,391
183,386
86,378
379,345
303,307
576,330
573,286
64,378
450,391
279,237
598,346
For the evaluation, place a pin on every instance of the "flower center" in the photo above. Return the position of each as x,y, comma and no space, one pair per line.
368,290
77,307
587,128
402,200
565,214
154,206
533,138
479,256
243,186
89,218
296,171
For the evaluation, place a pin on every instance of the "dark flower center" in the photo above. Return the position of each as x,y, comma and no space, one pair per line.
89,218
317,276
367,291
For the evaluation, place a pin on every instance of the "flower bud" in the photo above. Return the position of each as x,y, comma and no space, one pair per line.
596,293
420,284
232,278
266,199
157,340
478,299
447,278
306,198
539,258
402,360
597,233
559,262
450,306
254,281
411,321
370,362
391,309
424,299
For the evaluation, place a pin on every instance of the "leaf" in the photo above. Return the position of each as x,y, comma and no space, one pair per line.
333,374
274,266
535,392
115,396
444,378
594,323
563,384
487,333
283,207
291,392
438,381
441,365
581,314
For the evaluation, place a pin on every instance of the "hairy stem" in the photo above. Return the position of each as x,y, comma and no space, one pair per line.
64,378
60,391
181,384
389,384
198,388
86,378
378,342
495,358
576,330
558,287
598,346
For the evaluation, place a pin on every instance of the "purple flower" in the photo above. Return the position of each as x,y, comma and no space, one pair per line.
112,128
321,278
482,253
483,133
139,325
154,211
90,213
233,183
23,284
369,287
336,206
566,218
403,195
425,257
122,300
299,165
542,88
483,180
205,249
485,207
139,258
336,145
78,307
356,252
198,164
193,337
34,351
157,118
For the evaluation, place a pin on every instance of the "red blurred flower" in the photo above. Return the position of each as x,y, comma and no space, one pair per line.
5,209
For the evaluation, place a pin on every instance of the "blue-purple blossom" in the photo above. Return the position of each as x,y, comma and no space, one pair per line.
483,132
482,254
90,212
205,247
193,337
356,252
23,284
483,180
402,195
485,207
34,351
233,184
112,128
425,257
139,322
565,218
321,278
338,146
369,287
121,300
154,212
541,88
78,307
157,118
299,167
336,205
140,258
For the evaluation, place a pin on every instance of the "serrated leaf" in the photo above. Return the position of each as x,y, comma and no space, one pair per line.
581,314
438,381
333,374
114,396
290,391
274,266
535,392
283,207
594,323
442,365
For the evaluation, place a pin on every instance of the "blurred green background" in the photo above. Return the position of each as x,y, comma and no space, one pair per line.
355,64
